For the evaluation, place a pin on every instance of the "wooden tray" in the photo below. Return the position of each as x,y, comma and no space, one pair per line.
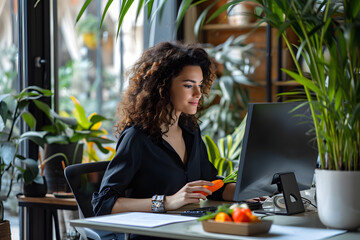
244,229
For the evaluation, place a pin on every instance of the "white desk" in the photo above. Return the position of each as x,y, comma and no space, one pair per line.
194,230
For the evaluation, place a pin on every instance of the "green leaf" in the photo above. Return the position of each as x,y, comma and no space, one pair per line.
7,152
3,96
159,11
31,170
109,2
68,121
29,119
97,118
37,137
32,92
4,114
222,9
82,10
212,149
149,4
183,8
354,7
80,116
338,99
57,139
221,146
304,81
124,9
229,144
43,107
200,21
140,6
101,148
99,140
220,166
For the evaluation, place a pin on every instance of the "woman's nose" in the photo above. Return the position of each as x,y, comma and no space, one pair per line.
197,92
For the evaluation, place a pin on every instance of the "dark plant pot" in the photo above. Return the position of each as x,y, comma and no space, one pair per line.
35,189
5,233
54,171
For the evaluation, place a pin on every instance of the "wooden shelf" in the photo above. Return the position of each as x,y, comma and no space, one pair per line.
231,27
285,83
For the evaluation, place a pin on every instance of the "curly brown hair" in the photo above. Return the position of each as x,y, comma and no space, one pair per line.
146,103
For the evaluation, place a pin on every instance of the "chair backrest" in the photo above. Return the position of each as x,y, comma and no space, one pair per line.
84,179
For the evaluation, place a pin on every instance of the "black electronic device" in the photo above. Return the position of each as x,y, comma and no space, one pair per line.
278,153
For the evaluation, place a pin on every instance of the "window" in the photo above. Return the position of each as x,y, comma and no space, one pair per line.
92,63
8,46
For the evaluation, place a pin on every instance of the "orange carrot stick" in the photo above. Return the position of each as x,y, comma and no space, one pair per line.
63,164
217,185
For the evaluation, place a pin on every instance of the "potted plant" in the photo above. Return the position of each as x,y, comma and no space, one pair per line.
12,109
61,141
330,46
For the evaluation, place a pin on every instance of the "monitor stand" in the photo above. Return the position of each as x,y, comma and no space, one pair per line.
286,183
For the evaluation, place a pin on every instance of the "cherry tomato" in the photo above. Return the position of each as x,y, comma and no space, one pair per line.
222,217
241,215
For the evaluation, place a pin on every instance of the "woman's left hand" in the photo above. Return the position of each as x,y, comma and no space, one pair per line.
187,195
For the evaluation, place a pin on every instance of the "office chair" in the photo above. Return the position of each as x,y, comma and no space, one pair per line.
84,179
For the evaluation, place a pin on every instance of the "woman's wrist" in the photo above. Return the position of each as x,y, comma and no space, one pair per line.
228,193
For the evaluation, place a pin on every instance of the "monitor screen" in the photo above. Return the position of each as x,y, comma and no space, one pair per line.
276,140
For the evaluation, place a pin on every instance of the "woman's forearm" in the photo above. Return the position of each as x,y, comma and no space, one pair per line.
132,205
228,193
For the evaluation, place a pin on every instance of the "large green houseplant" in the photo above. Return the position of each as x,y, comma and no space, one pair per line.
13,108
329,44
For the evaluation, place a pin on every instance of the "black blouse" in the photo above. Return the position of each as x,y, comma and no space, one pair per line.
143,167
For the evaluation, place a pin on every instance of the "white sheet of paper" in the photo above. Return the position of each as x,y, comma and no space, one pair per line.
293,232
140,219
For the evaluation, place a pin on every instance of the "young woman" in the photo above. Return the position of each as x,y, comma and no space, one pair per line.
161,160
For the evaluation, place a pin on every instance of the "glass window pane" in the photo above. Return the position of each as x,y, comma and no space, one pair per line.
92,62
8,46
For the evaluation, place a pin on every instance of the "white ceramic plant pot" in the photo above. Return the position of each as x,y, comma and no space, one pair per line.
337,195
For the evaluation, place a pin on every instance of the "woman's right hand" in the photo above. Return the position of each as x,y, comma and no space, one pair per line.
186,195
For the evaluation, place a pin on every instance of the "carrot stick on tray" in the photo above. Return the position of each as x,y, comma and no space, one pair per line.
218,183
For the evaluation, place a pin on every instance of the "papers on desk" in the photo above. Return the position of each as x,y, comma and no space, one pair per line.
292,232
140,219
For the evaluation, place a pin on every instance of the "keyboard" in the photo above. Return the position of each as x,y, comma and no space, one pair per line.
199,212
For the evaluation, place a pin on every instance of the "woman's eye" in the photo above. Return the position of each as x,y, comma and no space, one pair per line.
188,86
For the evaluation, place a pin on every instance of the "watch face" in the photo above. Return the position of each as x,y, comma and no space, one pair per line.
158,204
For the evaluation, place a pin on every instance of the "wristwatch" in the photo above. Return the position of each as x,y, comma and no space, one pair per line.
158,204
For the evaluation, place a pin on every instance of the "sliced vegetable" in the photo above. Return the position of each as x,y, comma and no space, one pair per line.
222,217
217,185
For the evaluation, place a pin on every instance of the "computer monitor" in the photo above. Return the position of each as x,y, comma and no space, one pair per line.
276,140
